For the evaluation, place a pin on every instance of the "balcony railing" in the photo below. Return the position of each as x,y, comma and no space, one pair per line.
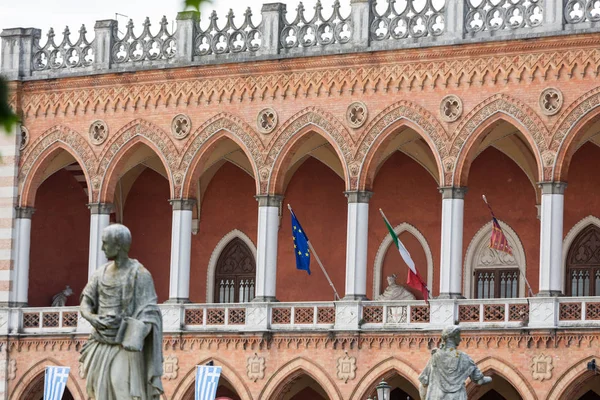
530,313
281,33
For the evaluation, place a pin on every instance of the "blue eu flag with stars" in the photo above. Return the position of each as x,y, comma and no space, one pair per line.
301,249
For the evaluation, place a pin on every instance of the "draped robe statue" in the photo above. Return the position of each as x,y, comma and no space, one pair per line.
395,291
122,359
444,376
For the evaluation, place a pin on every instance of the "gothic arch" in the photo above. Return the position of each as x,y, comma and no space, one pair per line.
385,245
205,139
572,235
289,136
472,130
212,263
295,367
403,369
507,371
401,114
34,372
480,242
570,378
116,153
226,371
41,155
569,130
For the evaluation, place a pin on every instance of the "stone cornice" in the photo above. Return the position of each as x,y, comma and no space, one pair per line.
513,339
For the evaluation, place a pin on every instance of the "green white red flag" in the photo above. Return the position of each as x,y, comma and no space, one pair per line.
413,280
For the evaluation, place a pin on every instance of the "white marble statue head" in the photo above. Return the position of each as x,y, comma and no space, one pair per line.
451,336
116,238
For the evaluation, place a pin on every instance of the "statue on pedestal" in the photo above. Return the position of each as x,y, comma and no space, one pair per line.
60,299
395,291
122,359
444,376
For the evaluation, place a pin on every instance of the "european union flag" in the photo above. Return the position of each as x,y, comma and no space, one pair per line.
300,245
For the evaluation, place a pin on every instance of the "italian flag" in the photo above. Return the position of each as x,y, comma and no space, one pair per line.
414,280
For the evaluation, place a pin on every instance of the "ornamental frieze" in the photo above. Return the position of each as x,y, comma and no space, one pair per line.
405,74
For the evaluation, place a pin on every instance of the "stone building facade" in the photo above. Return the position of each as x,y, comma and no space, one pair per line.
198,137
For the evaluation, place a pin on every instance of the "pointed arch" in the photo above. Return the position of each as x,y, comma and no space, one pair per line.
572,235
571,129
507,371
480,243
34,373
290,137
570,378
385,245
43,151
474,128
226,371
296,367
221,127
403,114
212,263
126,142
402,368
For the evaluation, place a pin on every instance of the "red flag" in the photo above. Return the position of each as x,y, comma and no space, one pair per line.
498,241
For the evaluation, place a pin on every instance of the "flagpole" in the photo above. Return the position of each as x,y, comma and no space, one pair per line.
312,249
520,270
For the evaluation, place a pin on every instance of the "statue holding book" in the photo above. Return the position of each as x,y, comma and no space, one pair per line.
122,359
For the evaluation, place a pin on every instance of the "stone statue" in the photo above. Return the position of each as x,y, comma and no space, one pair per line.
60,299
122,359
395,291
444,376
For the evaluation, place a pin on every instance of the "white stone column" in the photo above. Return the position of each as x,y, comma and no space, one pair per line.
99,219
23,245
551,239
453,205
181,250
266,252
356,245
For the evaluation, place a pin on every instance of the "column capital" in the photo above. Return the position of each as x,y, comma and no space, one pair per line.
269,200
358,196
100,208
453,192
183,204
553,187
25,212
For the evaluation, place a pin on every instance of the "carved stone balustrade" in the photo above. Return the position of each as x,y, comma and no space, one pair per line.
510,314
371,25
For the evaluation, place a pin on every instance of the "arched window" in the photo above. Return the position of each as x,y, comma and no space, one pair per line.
491,274
583,263
235,274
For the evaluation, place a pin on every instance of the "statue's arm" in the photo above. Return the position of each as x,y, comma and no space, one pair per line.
478,377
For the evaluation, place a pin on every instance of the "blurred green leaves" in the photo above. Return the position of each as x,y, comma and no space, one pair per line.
8,119
194,4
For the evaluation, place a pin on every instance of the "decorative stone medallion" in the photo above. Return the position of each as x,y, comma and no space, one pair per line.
451,108
24,138
541,367
551,101
266,120
170,367
356,115
98,132
255,368
346,368
12,369
181,126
